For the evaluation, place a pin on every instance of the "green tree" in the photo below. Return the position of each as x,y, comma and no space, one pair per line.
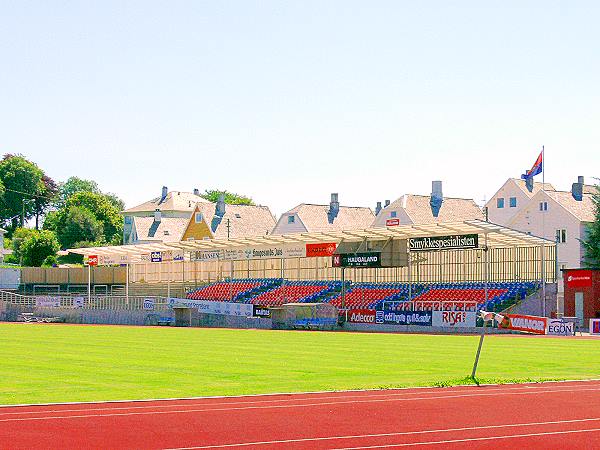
591,243
18,237
89,217
74,185
38,246
45,198
231,198
22,181
77,224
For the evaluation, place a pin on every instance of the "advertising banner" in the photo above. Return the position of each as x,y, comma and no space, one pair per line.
361,316
452,242
92,260
558,327
261,311
211,307
528,324
579,278
423,318
47,302
370,259
148,304
282,251
78,302
322,249
454,319
392,222
594,326
156,257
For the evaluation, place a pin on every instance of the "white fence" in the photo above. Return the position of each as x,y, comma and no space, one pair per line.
79,301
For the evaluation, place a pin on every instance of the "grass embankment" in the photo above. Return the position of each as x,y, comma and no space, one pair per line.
60,363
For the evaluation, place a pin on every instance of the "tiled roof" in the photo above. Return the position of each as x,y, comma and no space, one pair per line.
418,209
589,189
149,230
174,201
583,210
315,217
244,220
536,186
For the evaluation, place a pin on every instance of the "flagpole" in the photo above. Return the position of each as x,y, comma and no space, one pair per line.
544,210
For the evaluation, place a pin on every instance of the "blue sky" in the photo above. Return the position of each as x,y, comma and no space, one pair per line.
290,101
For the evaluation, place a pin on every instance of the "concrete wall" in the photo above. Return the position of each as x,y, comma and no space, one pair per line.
532,305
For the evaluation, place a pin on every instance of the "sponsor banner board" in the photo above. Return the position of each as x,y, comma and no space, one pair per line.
92,260
528,324
78,302
454,319
148,304
261,311
558,327
211,307
171,255
156,257
423,318
370,259
579,278
206,255
282,251
594,326
47,302
321,249
392,222
361,316
452,242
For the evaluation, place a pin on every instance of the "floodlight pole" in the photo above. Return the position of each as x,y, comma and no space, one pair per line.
89,284
409,272
127,284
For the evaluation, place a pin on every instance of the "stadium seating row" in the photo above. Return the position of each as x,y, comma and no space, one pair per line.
276,291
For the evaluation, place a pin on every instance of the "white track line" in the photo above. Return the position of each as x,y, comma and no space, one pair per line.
303,405
488,438
388,395
380,435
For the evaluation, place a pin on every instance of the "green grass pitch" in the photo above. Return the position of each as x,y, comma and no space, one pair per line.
65,363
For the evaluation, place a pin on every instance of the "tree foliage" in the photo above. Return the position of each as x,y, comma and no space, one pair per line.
22,181
231,198
86,217
591,243
74,185
32,247
78,224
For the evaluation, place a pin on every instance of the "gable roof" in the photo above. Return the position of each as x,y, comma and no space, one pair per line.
244,220
418,209
536,186
148,230
315,217
583,210
174,201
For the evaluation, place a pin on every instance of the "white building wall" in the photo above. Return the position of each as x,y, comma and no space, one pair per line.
503,216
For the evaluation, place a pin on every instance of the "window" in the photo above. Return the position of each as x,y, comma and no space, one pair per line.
512,202
543,206
198,217
561,236
291,219
237,216
393,214
166,232
500,203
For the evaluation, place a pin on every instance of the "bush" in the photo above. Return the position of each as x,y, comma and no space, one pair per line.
50,261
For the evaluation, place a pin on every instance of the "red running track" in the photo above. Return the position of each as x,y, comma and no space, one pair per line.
549,415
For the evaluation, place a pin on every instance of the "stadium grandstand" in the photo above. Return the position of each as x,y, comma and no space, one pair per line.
502,266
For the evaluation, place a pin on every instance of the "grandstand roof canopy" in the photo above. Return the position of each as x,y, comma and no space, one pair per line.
497,236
